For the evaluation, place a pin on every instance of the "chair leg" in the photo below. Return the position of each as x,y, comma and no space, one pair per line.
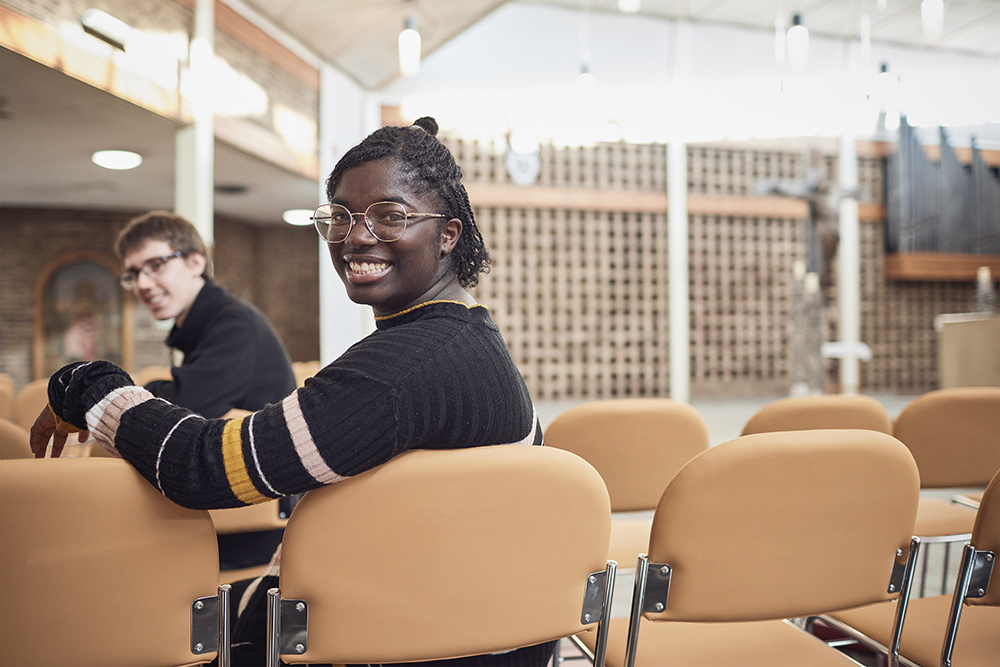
273,626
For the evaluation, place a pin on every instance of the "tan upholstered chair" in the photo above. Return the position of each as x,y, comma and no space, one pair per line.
954,435
763,528
14,441
802,413
98,568
303,370
147,374
7,391
959,629
29,401
445,553
636,444
250,519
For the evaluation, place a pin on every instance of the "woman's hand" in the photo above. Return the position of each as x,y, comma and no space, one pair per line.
45,427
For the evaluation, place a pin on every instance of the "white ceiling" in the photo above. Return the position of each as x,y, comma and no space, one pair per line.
52,123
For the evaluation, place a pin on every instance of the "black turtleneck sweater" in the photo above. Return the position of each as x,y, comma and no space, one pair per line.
233,358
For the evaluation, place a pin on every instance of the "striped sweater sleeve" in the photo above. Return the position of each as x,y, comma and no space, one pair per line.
445,382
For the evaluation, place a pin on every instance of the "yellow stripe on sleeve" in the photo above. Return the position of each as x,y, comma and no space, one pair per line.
236,467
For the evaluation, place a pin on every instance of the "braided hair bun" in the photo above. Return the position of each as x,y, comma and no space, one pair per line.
428,124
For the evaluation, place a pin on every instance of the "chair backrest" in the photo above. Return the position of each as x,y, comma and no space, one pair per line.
954,435
803,413
14,441
986,537
303,370
29,401
98,568
249,519
785,524
636,444
7,391
147,374
447,553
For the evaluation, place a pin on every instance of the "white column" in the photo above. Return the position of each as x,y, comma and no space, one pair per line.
849,267
677,258
194,163
341,125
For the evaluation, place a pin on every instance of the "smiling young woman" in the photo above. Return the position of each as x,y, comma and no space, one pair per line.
436,374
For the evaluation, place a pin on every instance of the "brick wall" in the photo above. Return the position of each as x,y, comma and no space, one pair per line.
275,268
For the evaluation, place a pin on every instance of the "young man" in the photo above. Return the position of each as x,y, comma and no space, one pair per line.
232,357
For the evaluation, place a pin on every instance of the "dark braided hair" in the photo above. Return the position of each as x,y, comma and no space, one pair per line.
431,168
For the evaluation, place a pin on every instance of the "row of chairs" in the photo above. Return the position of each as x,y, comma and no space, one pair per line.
434,554
441,554
954,435
752,449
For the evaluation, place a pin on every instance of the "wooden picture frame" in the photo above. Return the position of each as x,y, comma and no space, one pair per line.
81,314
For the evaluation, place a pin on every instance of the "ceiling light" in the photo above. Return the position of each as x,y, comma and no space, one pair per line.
116,159
409,49
300,217
932,18
629,6
107,28
798,44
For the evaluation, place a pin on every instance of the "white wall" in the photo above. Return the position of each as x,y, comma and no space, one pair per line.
517,68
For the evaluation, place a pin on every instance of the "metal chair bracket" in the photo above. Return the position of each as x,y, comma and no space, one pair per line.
294,618
205,625
982,570
593,597
657,588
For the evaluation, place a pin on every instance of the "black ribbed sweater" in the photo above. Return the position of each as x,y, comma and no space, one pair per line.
437,376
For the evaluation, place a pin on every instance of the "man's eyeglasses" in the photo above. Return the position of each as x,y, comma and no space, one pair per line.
386,221
151,267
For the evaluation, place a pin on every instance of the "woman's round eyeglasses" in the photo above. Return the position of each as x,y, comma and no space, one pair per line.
151,267
386,221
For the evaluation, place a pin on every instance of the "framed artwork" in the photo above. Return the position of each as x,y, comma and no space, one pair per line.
81,314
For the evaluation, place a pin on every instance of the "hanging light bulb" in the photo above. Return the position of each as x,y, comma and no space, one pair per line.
409,49
629,6
798,44
932,18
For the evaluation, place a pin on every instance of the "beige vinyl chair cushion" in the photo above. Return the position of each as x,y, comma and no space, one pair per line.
249,519
954,435
14,441
938,517
986,537
978,640
636,444
802,413
751,644
148,374
29,401
447,553
787,524
7,391
924,629
303,370
97,567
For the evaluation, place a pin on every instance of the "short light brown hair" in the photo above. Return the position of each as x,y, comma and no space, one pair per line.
176,230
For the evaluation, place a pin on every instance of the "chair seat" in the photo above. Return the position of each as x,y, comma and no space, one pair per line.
629,538
763,643
938,517
978,643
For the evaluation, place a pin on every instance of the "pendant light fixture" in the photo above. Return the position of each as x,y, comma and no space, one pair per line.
409,49
798,44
